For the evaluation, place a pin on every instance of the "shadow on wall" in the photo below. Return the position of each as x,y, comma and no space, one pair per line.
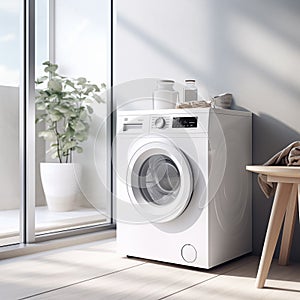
255,45
257,58
277,135
165,50
267,129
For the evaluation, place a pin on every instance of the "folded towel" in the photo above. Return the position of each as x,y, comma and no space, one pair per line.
289,156
193,104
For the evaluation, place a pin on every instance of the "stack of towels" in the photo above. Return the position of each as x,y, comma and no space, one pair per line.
289,156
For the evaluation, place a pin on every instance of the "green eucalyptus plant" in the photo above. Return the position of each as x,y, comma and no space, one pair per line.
65,108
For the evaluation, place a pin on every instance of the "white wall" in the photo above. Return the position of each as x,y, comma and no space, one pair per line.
248,48
81,32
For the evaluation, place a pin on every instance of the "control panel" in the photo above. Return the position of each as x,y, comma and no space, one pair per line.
184,122
175,123
166,122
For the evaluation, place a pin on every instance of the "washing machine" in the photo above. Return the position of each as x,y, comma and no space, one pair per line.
183,195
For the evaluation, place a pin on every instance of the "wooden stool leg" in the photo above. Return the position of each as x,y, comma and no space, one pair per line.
288,228
277,214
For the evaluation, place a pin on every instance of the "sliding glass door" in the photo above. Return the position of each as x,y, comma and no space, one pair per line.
72,157
54,125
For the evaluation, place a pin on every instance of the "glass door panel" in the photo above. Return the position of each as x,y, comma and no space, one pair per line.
72,137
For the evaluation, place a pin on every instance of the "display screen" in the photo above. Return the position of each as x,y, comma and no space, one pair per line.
184,122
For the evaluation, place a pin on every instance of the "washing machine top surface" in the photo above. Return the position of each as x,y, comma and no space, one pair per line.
188,111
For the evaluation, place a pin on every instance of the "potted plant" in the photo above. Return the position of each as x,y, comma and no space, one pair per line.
65,108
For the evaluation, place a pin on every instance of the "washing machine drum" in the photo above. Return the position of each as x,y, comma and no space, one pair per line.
159,181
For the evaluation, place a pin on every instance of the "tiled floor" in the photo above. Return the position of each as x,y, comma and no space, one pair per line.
96,271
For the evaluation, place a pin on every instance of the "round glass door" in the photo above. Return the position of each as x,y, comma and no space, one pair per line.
159,181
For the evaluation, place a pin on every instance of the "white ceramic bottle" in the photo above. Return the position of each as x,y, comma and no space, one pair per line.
165,96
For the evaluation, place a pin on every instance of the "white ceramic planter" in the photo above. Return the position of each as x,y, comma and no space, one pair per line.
60,184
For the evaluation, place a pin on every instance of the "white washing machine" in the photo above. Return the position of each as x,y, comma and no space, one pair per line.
183,194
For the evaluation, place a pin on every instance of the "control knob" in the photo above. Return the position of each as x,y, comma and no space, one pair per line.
160,123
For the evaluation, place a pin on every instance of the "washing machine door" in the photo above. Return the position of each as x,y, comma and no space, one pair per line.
159,181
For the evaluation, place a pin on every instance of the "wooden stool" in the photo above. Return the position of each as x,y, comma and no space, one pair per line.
285,204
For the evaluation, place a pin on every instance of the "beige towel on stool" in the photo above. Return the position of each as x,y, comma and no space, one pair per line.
289,156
